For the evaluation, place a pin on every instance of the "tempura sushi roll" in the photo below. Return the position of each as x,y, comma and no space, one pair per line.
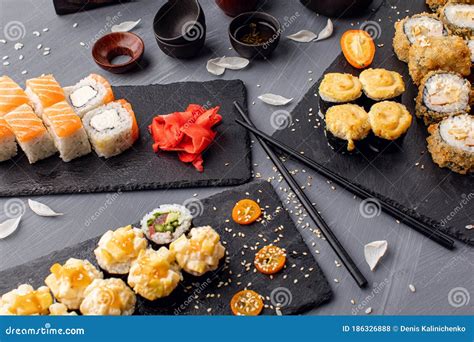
200,253
25,300
459,18
30,133
346,127
451,143
43,91
154,274
166,223
67,131
111,128
442,94
108,297
117,249
415,29
8,147
59,309
381,84
390,122
68,282
89,93
340,88
11,95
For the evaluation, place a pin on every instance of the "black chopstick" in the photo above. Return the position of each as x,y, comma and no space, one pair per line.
430,232
312,212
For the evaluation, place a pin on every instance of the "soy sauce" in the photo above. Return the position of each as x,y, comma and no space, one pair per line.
255,33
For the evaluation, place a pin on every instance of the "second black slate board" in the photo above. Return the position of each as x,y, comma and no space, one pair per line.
215,289
433,194
226,162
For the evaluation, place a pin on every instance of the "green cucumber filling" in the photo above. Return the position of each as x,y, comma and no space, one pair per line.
164,222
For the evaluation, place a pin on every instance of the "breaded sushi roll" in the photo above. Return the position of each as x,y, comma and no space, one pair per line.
67,131
30,133
89,93
68,282
415,29
449,53
340,88
166,223
11,95
451,143
442,94
470,45
117,249
8,147
200,253
380,84
459,18
108,297
43,91
25,301
112,128
154,274
59,309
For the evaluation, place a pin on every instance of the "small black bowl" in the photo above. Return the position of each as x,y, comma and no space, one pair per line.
181,51
336,8
178,22
241,25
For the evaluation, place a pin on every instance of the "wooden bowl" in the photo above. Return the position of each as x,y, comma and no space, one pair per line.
117,44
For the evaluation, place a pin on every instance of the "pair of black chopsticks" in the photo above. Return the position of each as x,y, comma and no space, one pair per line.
430,232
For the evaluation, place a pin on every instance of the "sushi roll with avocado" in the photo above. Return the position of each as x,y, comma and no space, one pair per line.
390,122
459,18
166,223
451,143
346,126
442,94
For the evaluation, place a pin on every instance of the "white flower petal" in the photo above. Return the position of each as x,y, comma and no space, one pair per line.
125,26
274,100
233,63
326,32
213,68
8,227
303,36
374,251
42,209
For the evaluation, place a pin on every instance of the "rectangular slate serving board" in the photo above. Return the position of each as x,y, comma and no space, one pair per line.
306,294
139,167
432,194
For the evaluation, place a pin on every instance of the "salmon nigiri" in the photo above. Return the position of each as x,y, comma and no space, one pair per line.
11,95
44,91
30,133
8,146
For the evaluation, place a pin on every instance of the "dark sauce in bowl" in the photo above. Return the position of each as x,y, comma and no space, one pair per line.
255,33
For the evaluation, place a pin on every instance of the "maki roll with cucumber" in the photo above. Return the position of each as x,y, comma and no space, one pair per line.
166,223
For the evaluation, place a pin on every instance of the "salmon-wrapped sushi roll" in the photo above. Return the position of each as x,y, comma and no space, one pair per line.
67,131
44,91
8,146
112,128
11,95
89,93
30,133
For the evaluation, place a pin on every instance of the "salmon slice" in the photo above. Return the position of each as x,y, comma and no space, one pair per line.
62,119
25,124
109,94
5,131
11,95
44,91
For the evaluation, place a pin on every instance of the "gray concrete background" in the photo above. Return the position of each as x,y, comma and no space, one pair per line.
436,273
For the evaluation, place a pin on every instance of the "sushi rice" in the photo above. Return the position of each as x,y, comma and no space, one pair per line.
8,146
459,18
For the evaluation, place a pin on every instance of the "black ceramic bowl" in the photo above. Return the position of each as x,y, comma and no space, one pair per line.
240,26
181,51
336,8
178,22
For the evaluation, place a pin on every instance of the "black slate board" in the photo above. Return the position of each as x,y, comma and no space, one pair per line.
433,194
140,168
306,294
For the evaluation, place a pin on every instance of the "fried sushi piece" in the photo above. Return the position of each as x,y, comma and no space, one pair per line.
442,94
11,95
340,88
112,128
154,274
59,309
200,253
451,143
67,131
381,84
89,93
8,146
117,249
439,53
459,18
111,297
25,300
346,125
43,91
436,4
30,133
415,29
68,282
470,45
